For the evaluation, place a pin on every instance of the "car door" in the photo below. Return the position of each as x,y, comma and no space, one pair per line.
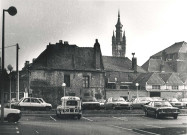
36,104
152,109
148,107
25,103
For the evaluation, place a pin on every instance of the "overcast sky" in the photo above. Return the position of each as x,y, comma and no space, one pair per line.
150,25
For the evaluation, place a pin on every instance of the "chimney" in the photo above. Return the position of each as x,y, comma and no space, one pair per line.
134,63
162,66
97,53
26,63
60,41
66,43
33,60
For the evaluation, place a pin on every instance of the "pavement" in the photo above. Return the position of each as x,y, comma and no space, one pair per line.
100,113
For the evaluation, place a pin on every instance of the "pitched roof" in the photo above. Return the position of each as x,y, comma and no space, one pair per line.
171,78
67,57
183,77
148,78
122,64
178,47
156,65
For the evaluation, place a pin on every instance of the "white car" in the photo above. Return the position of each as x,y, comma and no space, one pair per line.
117,103
32,103
175,103
12,115
184,101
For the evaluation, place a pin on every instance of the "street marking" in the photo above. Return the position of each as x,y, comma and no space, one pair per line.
52,118
121,127
146,132
87,119
124,118
154,126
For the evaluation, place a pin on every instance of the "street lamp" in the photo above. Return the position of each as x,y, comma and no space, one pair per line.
137,84
10,69
64,87
12,11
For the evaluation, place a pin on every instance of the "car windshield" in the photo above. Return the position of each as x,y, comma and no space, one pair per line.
145,99
162,104
71,103
173,100
41,100
118,99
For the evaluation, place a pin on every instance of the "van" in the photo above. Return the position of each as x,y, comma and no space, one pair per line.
70,107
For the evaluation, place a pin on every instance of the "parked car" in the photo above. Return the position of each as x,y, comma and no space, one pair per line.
11,115
160,109
70,107
102,103
90,103
157,98
117,103
175,103
32,103
139,102
184,101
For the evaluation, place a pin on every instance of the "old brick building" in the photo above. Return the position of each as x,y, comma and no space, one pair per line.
81,68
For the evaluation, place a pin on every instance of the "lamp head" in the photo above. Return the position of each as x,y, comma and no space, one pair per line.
10,67
12,11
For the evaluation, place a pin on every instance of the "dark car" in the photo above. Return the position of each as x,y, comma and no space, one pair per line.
90,104
160,109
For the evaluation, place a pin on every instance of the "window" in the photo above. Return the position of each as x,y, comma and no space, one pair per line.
26,100
86,81
175,87
111,85
71,103
123,87
86,94
67,80
72,94
156,87
34,100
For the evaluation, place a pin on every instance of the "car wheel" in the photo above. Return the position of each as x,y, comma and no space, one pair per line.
79,116
12,118
157,115
175,116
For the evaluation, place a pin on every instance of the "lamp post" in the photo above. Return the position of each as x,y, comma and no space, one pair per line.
137,84
10,69
12,11
64,87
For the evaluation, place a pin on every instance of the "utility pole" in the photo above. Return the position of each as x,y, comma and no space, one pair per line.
17,70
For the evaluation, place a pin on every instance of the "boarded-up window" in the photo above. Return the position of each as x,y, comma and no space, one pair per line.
86,81
67,80
111,85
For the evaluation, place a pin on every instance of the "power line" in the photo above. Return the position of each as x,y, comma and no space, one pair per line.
8,46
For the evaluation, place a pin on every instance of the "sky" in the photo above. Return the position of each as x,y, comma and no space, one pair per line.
150,26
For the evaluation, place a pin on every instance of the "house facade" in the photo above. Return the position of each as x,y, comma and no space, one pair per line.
166,85
80,68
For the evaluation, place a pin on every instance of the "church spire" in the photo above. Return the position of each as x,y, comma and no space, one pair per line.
118,40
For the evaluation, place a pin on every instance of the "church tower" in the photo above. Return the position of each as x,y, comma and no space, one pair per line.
119,40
